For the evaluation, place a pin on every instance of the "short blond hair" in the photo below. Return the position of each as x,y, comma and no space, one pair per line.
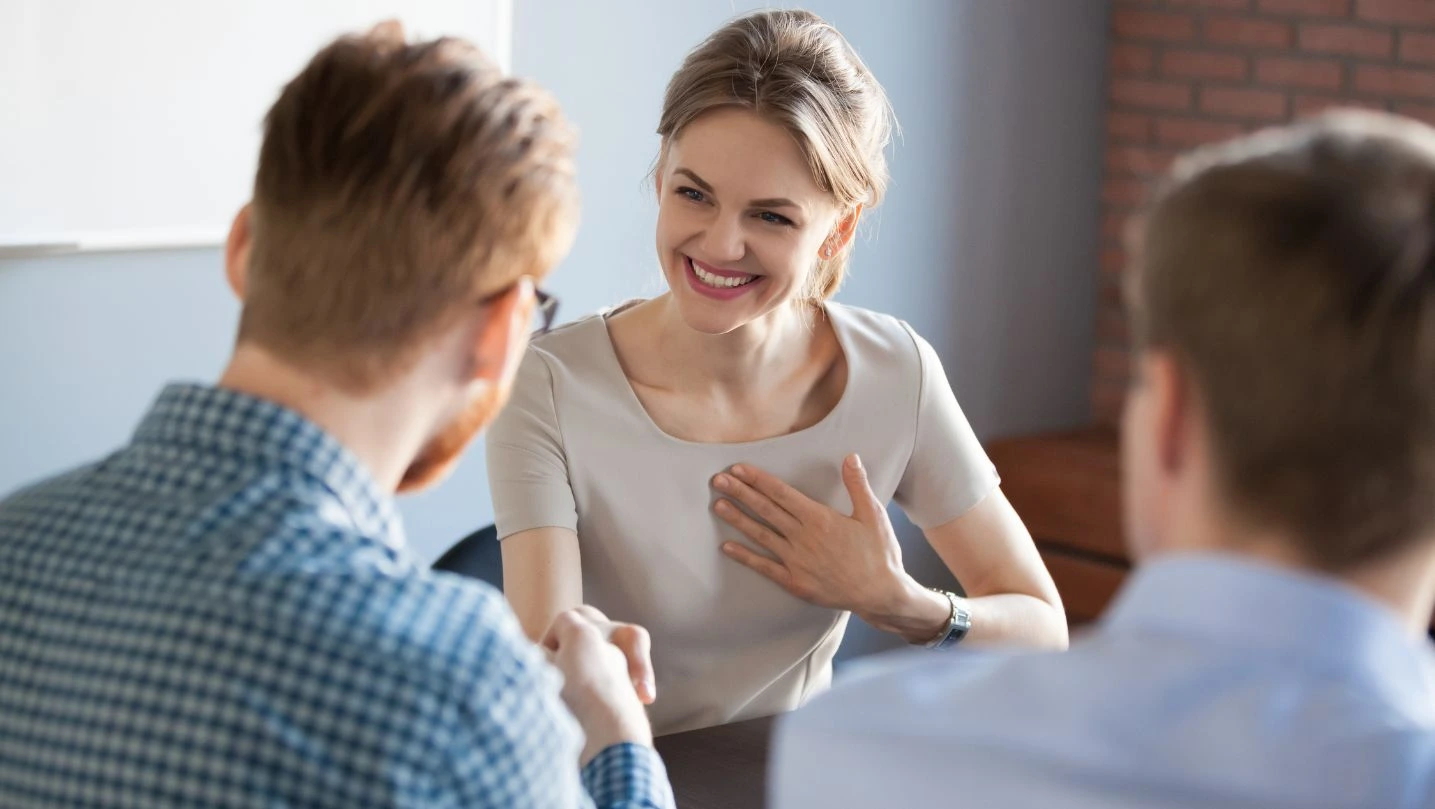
399,184
793,68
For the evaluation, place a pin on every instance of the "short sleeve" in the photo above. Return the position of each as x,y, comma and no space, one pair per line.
527,467
948,472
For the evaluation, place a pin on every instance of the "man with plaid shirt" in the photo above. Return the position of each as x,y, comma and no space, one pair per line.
223,612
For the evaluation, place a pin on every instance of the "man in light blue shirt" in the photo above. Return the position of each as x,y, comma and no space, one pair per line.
224,613
1279,487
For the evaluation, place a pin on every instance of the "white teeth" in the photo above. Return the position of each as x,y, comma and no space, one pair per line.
719,281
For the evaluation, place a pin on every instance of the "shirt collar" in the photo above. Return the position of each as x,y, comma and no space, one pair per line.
1235,602
256,431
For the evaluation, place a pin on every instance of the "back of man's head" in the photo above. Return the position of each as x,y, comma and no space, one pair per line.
1291,276
398,185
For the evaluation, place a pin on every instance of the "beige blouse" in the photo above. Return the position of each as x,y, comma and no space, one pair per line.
575,449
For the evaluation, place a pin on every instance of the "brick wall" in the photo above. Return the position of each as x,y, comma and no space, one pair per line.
1185,72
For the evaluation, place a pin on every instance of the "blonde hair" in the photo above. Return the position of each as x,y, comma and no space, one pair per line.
398,185
794,69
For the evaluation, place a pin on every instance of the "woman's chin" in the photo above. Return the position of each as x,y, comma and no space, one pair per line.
704,318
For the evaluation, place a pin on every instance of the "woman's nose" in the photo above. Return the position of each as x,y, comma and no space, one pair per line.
723,240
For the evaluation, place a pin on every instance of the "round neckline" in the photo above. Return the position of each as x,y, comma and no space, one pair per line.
838,331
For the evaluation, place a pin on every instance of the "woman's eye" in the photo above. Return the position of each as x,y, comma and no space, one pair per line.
692,194
774,218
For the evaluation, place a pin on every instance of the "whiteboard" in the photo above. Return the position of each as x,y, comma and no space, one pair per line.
130,124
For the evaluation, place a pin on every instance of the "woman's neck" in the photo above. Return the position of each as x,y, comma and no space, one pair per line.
753,358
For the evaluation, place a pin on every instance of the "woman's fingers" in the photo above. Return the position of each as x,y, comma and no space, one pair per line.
777,491
630,639
768,567
759,503
750,528
637,646
866,508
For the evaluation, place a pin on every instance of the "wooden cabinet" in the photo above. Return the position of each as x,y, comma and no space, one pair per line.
1067,488
1086,585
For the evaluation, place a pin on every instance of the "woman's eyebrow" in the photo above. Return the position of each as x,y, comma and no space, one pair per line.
769,202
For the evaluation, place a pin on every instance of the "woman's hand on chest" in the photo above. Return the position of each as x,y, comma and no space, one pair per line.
816,553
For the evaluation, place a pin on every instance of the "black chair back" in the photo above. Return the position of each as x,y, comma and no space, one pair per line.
477,556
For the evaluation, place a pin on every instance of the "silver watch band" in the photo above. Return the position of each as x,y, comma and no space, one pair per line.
959,622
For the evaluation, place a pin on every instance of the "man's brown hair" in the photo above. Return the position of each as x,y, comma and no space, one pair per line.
1292,273
399,184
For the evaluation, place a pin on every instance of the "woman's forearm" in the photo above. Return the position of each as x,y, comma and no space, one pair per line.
920,614
1016,618
1013,599
916,614
542,576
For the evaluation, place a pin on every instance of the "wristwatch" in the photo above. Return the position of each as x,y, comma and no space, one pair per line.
959,622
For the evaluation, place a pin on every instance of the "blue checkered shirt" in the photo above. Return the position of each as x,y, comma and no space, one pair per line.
223,613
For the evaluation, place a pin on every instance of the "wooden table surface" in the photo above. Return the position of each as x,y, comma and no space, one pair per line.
724,767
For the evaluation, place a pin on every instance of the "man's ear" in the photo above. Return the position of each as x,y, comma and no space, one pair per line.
1170,391
501,335
236,251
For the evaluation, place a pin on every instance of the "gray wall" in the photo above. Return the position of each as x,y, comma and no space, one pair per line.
987,242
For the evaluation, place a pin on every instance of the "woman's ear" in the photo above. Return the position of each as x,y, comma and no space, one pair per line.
236,251
657,173
842,232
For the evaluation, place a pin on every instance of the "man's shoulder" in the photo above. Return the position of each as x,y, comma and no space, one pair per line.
48,493
908,690
895,726
365,599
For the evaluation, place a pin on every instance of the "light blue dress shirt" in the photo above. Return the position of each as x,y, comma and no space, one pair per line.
1211,683
224,613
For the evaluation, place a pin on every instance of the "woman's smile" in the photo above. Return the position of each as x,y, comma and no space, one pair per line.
718,283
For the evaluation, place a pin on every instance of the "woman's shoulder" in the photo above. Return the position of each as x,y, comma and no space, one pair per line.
579,344
575,362
877,339
566,338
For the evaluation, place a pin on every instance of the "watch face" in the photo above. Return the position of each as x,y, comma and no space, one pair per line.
961,623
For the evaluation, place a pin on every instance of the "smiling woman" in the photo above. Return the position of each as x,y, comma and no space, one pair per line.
740,218
641,446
